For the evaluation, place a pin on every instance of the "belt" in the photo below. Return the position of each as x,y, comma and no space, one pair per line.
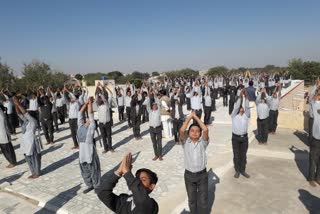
262,119
197,173
244,135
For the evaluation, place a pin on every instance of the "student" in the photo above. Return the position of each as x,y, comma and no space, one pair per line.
195,160
88,157
30,145
46,119
207,106
136,111
155,128
177,117
240,122
120,103
104,116
141,186
5,140
263,116
274,107
314,154
74,107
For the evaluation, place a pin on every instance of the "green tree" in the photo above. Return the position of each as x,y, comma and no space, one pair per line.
296,68
218,70
114,75
7,78
36,73
155,73
186,72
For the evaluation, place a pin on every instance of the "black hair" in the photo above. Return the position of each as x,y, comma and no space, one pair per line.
152,176
197,125
240,108
250,83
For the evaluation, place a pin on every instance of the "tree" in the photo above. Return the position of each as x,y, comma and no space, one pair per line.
186,72
6,76
218,70
296,68
155,73
78,77
36,73
114,75
57,80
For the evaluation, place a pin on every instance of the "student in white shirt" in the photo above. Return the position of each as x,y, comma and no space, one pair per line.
240,121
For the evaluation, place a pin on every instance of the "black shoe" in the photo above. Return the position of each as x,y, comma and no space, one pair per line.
246,175
87,190
237,175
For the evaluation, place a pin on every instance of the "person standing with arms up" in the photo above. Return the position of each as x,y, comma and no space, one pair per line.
263,116
88,157
314,154
5,140
30,145
74,108
240,121
104,116
155,127
195,161
274,106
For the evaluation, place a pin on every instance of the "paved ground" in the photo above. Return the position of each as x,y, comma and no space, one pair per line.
275,174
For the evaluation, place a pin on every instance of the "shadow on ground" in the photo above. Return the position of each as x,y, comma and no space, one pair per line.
301,159
60,200
311,202
56,165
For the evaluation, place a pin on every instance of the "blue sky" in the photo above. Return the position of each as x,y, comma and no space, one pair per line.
77,36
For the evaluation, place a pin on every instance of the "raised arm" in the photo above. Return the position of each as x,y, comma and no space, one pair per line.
184,128
236,107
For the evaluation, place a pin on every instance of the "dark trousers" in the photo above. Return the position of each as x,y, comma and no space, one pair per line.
91,172
215,93
12,123
197,190
55,119
128,112
34,163
136,121
188,101
121,113
207,114
47,127
176,128
8,152
156,138
199,114
65,110
240,148
61,114
213,104
231,105
74,128
106,133
314,160
263,130
145,114
225,100
310,128
273,120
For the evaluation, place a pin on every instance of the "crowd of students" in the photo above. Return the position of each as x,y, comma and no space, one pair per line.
161,105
